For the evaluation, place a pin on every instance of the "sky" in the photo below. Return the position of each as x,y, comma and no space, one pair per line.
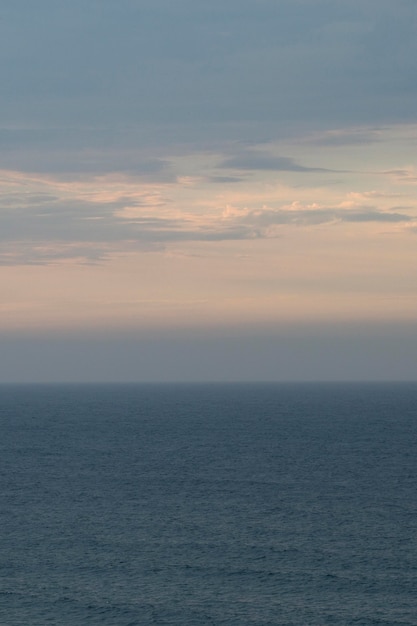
219,190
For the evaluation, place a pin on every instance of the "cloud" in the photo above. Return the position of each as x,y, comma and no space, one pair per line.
406,175
47,253
92,225
264,161
310,64
310,216
345,137
373,194
374,216
16,198
54,157
224,179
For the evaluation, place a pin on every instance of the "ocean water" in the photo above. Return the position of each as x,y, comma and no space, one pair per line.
208,504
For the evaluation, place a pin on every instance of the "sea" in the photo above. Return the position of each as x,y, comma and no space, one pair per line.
224,504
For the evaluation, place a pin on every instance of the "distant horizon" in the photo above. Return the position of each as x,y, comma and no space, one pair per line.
153,383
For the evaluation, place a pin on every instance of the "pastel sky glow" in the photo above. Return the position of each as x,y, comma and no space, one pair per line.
212,190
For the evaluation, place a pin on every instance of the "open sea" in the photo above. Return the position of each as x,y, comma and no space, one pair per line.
249,504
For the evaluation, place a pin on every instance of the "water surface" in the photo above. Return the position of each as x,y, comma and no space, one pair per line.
208,504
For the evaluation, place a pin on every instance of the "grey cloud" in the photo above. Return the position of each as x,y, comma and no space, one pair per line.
16,199
265,161
345,137
73,153
375,216
90,233
44,233
224,179
299,63
43,253
78,222
269,217
78,161
403,175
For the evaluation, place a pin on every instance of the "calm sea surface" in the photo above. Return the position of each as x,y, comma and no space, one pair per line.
208,504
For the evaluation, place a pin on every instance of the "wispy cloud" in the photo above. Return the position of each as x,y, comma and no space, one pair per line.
53,221
264,161
407,175
344,137
224,180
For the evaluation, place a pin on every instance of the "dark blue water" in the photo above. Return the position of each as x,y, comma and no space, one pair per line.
225,505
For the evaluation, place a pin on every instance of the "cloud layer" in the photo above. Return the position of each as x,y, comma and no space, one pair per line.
136,63
43,227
